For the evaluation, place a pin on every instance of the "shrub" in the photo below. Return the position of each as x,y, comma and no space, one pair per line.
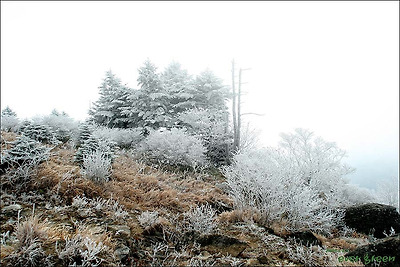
210,127
24,150
174,147
62,125
148,219
22,161
84,132
93,144
30,234
9,123
41,133
300,183
9,120
124,138
97,166
201,219
109,206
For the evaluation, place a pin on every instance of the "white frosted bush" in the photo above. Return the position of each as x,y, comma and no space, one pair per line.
124,138
97,166
9,123
61,124
201,219
210,126
301,183
148,218
174,147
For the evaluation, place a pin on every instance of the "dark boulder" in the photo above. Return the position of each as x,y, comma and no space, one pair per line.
373,218
385,252
305,238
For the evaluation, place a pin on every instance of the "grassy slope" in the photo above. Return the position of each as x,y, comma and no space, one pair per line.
134,188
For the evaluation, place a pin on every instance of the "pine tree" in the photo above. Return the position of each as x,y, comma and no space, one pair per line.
7,111
91,145
84,132
41,133
179,87
108,110
24,150
210,91
148,106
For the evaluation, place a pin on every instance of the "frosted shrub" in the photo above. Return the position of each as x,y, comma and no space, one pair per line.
201,219
25,150
93,144
124,138
109,206
62,125
85,249
210,127
300,183
41,133
9,123
97,166
174,147
148,218
9,120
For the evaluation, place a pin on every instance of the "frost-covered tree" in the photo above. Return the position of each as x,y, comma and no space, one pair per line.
41,133
174,147
91,145
388,192
301,182
148,106
108,109
211,127
7,111
85,130
24,150
9,120
61,124
179,86
210,91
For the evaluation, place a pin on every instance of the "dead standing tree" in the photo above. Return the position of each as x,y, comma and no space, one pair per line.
236,107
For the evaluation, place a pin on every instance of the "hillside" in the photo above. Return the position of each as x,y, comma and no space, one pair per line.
144,216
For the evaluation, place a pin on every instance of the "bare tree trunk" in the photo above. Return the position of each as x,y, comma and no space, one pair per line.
239,119
235,133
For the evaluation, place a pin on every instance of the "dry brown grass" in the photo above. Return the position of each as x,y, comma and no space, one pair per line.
6,138
235,216
62,176
136,186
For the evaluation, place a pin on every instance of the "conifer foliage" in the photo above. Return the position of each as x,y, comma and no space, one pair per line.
107,111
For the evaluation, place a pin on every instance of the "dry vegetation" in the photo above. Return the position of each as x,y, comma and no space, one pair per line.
142,216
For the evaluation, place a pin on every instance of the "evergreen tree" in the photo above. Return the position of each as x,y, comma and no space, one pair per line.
210,91
7,111
108,110
84,132
41,133
180,89
93,144
148,106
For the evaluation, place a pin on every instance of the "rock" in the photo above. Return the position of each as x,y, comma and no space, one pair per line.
305,238
385,252
372,218
120,230
222,244
122,252
11,208
263,260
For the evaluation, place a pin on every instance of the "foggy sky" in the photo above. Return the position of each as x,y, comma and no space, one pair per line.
331,67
